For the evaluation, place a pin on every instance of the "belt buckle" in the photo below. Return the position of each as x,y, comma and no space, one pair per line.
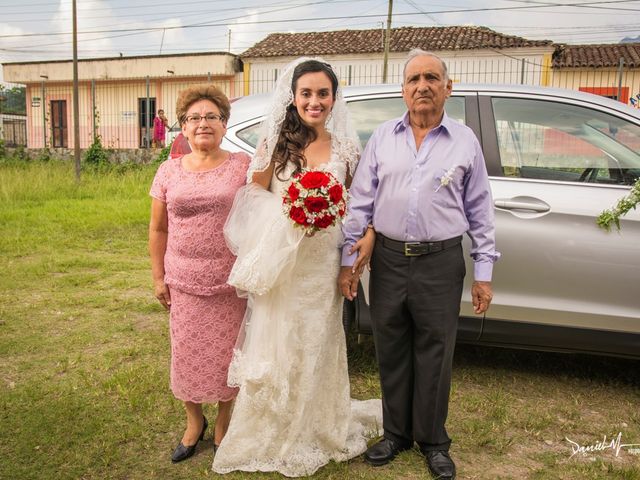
407,247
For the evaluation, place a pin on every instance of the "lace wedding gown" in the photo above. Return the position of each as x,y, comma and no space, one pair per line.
293,413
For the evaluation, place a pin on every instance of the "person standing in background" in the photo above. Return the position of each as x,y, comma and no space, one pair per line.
160,125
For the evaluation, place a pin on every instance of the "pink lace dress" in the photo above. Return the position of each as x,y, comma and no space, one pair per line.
206,313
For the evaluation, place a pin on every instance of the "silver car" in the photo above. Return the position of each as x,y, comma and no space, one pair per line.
556,159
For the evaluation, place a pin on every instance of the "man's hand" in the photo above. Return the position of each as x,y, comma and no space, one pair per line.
348,282
481,296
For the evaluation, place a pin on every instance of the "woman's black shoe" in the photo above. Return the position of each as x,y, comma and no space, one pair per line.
182,453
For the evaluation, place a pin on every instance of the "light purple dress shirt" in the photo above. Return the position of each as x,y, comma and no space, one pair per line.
435,193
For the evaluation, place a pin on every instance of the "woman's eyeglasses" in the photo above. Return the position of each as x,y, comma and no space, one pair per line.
210,118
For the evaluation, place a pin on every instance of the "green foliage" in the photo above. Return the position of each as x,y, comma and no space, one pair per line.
13,156
97,160
164,154
126,168
611,217
3,150
20,154
44,155
13,100
96,154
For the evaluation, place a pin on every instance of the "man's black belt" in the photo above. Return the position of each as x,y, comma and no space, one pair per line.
414,249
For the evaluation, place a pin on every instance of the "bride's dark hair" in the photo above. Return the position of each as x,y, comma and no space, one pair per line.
295,135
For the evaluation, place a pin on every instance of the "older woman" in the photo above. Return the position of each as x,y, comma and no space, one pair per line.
192,196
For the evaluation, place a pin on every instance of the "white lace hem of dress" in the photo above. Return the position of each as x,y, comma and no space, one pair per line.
365,423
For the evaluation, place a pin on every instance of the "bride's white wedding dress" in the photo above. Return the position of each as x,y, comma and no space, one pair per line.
293,413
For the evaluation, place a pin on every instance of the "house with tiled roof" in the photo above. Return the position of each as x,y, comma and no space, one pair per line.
473,54
610,70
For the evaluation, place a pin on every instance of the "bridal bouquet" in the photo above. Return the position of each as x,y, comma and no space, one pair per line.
314,200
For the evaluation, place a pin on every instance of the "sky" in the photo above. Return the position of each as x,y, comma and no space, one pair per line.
32,30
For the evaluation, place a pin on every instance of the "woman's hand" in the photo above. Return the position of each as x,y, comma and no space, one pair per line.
364,247
161,291
158,233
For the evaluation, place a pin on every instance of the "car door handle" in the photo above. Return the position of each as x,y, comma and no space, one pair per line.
522,203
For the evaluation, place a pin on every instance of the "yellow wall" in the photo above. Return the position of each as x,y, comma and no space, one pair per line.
574,79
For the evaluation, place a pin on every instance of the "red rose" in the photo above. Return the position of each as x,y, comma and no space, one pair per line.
294,193
316,204
314,180
341,212
324,221
335,193
297,215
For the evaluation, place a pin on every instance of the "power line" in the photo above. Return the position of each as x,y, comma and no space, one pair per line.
383,3
292,20
129,6
429,16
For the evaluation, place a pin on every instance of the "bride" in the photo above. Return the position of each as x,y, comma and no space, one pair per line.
293,413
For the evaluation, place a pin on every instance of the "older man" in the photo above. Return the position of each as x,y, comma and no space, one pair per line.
421,183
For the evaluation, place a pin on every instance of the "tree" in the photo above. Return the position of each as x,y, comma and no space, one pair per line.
13,100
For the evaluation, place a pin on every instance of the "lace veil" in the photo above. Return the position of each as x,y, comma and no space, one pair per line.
344,137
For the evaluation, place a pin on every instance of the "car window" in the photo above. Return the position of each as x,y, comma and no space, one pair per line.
250,134
555,141
367,114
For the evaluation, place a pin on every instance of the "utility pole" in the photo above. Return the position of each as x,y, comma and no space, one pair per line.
620,72
162,41
76,107
387,41
229,45
43,102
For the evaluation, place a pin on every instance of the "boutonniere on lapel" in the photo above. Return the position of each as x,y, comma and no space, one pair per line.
446,177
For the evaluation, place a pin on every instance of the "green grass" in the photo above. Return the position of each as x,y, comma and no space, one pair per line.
84,357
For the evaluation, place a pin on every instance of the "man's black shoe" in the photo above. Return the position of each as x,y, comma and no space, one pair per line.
383,452
440,465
